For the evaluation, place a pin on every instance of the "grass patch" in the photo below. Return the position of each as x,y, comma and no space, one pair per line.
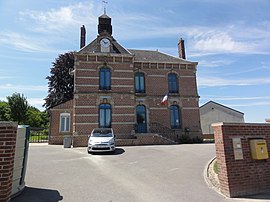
38,138
216,167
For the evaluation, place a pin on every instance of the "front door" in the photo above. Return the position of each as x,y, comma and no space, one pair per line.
141,119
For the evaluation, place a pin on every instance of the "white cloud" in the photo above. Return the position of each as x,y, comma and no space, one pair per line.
265,103
214,62
61,19
218,42
22,42
5,77
233,98
36,102
23,87
202,40
216,81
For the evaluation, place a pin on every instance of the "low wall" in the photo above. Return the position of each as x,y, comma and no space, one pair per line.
8,131
82,140
239,174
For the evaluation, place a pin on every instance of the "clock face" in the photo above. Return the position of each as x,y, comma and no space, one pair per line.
105,43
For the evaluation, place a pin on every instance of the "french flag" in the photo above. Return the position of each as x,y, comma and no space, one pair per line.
165,99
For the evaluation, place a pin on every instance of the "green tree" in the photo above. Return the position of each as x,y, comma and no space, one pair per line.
61,82
18,107
33,117
36,118
4,111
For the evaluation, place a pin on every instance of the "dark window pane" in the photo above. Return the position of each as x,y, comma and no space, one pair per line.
139,83
105,116
173,83
104,79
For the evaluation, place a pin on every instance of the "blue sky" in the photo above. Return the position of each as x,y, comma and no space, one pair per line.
230,40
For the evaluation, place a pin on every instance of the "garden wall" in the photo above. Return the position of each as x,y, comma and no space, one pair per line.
239,173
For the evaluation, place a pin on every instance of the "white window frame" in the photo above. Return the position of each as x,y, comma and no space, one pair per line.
64,116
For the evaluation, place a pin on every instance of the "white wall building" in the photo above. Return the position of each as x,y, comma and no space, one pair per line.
212,112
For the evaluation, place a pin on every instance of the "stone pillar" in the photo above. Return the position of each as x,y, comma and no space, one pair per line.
8,131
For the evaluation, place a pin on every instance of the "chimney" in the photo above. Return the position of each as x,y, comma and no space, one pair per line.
83,32
181,49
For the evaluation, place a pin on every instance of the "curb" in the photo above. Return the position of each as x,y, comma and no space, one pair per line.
208,181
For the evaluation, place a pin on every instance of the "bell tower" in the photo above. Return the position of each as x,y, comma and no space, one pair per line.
104,25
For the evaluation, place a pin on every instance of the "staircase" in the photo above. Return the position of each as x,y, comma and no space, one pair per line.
164,132
157,135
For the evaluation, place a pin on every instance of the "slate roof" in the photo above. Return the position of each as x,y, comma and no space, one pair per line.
156,56
139,55
93,48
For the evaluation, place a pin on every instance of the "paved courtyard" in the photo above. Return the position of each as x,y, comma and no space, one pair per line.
144,173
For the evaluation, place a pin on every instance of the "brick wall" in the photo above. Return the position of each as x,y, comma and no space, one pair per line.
123,99
245,176
55,136
8,131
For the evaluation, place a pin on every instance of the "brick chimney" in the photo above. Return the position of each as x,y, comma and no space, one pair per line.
83,33
181,49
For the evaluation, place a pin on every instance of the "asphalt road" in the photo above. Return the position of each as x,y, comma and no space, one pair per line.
132,174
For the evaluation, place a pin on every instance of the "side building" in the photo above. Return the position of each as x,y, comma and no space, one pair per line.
123,88
212,112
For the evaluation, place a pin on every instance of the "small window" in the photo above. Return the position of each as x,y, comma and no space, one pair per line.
104,78
105,116
173,83
64,122
139,82
175,117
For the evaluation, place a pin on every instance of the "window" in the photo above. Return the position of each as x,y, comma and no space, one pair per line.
139,82
104,78
64,122
105,116
173,83
175,117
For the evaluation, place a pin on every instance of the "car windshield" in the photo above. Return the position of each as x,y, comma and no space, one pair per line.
102,133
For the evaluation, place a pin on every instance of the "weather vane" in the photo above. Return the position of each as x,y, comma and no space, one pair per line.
104,4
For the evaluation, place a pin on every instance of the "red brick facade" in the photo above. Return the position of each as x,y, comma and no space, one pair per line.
243,176
8,131
122,97
55,135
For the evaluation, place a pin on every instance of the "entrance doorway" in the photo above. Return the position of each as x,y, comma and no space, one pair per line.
141,119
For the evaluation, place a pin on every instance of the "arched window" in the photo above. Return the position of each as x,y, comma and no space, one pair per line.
104,78
173,83
105,116
175,117
139,82
64,122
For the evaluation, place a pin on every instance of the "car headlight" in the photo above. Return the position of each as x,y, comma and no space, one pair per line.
111,141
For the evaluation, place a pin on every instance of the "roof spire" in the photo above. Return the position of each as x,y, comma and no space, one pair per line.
104,4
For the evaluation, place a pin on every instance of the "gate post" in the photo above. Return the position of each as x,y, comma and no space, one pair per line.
8,132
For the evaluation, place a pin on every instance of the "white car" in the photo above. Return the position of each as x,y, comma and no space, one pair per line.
101,140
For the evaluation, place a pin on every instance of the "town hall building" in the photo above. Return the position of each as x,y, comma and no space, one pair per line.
120,88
